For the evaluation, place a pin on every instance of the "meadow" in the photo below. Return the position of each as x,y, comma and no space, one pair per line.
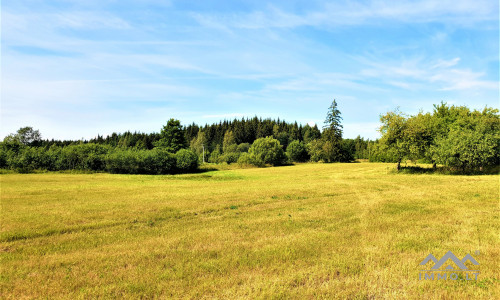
356,230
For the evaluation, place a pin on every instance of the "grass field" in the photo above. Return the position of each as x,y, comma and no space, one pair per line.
306,231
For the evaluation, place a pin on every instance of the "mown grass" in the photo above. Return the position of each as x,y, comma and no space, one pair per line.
305,231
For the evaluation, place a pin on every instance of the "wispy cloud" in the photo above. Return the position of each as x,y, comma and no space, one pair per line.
418,73
445,63
348,13
456,79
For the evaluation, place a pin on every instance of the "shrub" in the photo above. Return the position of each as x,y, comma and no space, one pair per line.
268,151
130,161
297,151
186,160
467,149
25,161
156,161
230,157
122,161
248,159
93,157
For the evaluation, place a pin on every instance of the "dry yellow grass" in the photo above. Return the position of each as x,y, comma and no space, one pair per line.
306,231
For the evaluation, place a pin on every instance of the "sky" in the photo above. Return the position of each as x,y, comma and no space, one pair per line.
76,69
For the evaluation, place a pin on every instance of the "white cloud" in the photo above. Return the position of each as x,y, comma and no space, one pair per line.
337,13
418,73
446,63
464,79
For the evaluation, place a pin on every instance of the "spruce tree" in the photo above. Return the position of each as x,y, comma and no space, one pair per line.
332,134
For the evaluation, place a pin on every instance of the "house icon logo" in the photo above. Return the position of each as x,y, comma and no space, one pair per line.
445,270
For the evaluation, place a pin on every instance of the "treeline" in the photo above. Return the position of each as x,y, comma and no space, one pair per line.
260,142
180,148
95,157
244,131
452,136
25,151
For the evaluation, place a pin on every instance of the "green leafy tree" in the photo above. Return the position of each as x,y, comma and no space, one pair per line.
453,136
187,160
393,129
24,136
11,143
172,137
315,150
419,135
199,143
268,151
28,135
467,149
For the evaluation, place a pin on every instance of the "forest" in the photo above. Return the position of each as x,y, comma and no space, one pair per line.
452,137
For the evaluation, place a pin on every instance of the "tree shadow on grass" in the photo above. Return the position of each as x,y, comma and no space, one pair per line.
492,170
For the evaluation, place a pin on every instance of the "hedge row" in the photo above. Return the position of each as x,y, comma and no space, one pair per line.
94,157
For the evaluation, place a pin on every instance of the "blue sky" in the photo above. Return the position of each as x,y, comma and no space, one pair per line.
75,69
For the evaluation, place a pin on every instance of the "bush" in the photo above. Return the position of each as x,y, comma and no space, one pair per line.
156,161
467,149
94,157
186,160
122,162
27,160
297,151
248,159
230,157
380,153
268,151
131,161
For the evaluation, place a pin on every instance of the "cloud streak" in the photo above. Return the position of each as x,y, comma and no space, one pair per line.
347,13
